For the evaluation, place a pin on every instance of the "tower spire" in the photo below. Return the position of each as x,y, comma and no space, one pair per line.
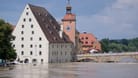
68,7
68,2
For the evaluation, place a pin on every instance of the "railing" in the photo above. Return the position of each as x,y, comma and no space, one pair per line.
109,54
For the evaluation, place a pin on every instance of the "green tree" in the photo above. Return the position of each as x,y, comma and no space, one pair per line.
133,44
105,45
120,45
7,52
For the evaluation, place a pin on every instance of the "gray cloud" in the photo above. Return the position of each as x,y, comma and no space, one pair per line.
116,21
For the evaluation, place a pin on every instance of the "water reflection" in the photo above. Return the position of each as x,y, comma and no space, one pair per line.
31,71
62,70
128,60
38,71
25,71
72,70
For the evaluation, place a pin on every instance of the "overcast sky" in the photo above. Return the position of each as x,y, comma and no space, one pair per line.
114,19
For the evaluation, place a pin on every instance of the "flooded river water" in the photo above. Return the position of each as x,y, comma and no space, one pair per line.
72,70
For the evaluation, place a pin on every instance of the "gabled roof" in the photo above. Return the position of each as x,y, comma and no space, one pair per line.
88,39
48,24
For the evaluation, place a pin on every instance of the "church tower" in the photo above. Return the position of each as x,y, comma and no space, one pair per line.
69,23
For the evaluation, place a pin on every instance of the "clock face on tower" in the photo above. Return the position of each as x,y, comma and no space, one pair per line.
68,28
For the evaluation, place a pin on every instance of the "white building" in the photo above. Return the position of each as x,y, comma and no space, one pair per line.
39,38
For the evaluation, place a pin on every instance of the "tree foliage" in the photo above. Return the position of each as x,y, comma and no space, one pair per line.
122,45
7,52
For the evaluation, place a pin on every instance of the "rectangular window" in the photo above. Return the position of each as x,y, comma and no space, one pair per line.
32,26
65,46
71,46
31,53
86,38
22,38
27,13
22,53
57,52
30,19
31,38
31,46
22,46
14,37
40,38
22,26
86,42
40,53
53,53
32,32
40,46
13,45
24,19
61,53
92,42
22,32
52,46
65,53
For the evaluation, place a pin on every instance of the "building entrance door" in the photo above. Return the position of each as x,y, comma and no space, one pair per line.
26,60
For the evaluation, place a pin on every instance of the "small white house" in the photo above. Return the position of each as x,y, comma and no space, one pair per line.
39,38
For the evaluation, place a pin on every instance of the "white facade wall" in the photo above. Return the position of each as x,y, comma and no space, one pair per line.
60,52
27,36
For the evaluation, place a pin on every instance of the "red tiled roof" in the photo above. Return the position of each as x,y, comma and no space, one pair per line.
89,40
